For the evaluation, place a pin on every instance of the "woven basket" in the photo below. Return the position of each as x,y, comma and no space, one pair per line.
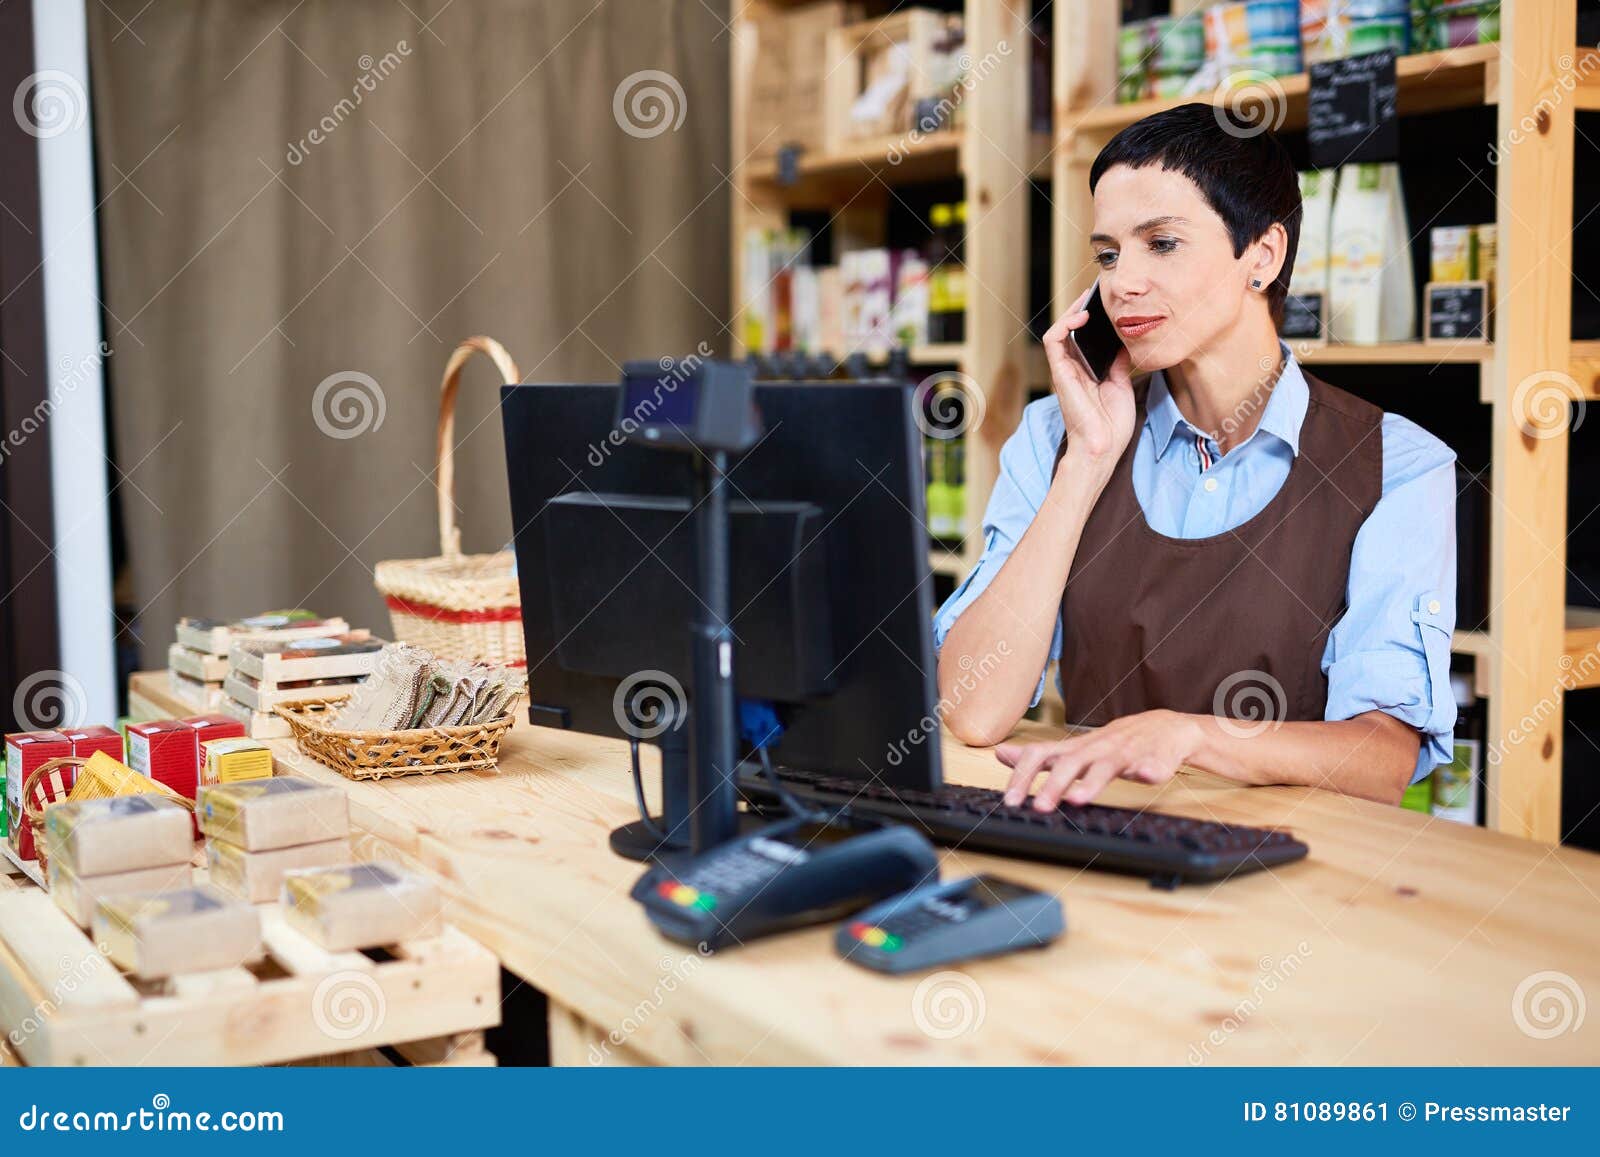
50,784
458,606
380,754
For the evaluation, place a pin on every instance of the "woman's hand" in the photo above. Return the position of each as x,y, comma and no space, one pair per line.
1099,415
1148,747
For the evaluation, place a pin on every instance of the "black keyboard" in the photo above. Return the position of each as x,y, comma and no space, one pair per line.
1169,849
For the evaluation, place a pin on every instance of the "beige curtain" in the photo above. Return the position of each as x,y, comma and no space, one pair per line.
337,191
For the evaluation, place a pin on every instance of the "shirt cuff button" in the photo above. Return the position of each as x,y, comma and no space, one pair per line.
1433,607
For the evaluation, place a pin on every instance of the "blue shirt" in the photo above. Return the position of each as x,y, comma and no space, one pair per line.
1390,651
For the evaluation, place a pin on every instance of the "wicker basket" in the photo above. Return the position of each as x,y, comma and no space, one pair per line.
380,754
457,606
50,784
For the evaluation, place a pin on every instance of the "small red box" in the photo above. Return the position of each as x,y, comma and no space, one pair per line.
25,752
166,750
209,727
88,740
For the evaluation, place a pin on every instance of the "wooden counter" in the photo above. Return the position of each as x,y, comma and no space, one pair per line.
1402,940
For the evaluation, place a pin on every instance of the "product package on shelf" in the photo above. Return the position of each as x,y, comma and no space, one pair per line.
234,760
98,837
260,815
1453,251
1157,56
1462,253
78,895
162,934
168,750
1372,296
257,877
26,751
96,737
1331,29
1306,310
362,906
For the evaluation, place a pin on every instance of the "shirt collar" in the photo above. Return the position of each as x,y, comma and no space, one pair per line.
1282,418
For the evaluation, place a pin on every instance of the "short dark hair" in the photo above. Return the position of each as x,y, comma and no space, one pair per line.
1243,170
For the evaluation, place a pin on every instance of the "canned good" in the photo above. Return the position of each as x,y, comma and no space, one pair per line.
1133,44
1272,19
1376,34
1468,22
1168,84
1178,44
1279,56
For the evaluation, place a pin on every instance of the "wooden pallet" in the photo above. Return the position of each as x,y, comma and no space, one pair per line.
11,865
63,1003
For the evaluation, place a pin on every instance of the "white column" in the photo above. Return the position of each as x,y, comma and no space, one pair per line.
74,355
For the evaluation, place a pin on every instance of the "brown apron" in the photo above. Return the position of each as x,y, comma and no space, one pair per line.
1235,624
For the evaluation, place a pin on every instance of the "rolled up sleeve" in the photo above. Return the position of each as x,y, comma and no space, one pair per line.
1026,461
1390,651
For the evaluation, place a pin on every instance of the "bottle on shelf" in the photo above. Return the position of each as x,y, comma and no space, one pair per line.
935,460
937,251
947,276
955,285
955,481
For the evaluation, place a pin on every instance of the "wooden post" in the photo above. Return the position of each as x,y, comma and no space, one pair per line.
995,151
1527,582
1085,77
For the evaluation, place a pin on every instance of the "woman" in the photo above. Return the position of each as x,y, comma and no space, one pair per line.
1239,567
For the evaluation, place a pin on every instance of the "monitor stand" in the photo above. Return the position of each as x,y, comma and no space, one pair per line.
636,841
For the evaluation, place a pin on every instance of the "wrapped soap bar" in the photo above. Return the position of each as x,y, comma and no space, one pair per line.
273,813
96,837
258,876
364,906
159,934
234,761
78,895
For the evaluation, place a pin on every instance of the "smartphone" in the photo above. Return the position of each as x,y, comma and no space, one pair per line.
1095,343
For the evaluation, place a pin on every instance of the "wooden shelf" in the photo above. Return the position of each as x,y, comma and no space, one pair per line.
1586,368
901,157
1429,81
942,561
1035,369
1391,353
939,354
1580,661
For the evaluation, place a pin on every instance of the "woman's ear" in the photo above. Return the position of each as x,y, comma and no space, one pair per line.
1267,256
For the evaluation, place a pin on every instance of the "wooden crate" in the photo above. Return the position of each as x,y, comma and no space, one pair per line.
63,1003
856,51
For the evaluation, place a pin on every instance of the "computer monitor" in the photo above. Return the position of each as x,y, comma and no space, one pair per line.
831,590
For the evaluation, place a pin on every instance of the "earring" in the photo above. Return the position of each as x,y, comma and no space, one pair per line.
1255,285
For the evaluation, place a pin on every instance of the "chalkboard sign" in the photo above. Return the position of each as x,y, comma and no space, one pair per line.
1351,110
1455,311
1302,316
